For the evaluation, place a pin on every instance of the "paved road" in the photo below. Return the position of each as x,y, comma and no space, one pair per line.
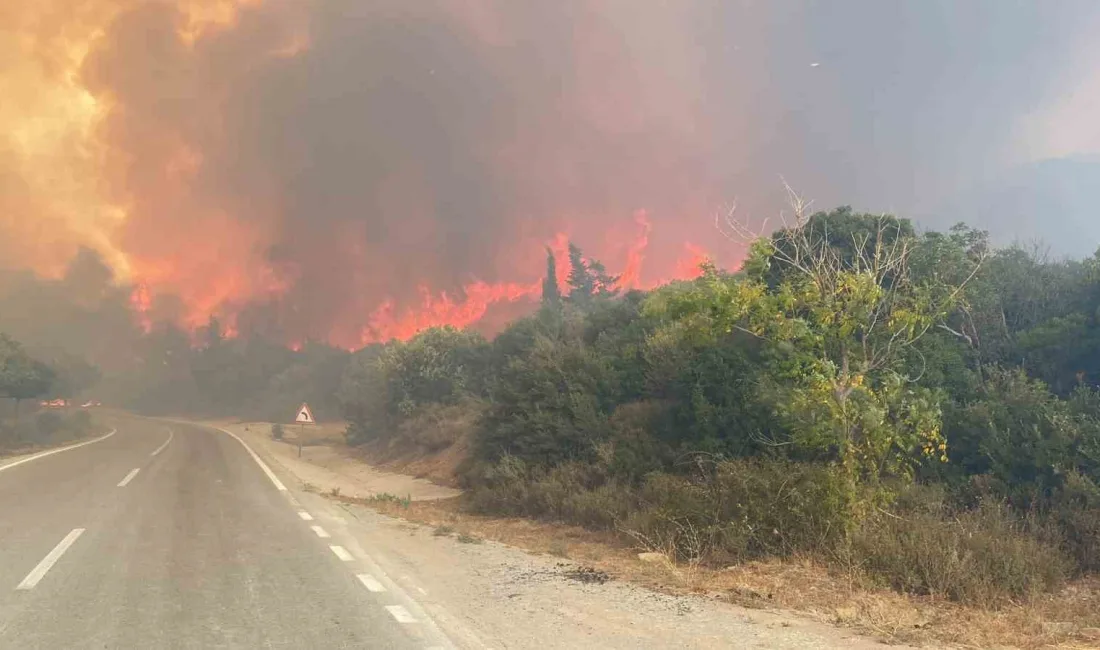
197,549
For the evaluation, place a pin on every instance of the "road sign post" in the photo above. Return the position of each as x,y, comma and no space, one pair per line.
304,417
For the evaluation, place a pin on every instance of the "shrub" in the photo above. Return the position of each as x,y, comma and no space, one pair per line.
574,493
742,510
436,427
80,423
730,510
1074,514
982,556
277,432
48,423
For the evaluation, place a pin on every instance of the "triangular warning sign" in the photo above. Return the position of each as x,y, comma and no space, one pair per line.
305,416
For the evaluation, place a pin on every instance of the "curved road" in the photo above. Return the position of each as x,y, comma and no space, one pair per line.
172,536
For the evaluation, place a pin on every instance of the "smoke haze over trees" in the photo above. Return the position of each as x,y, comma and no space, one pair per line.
347,172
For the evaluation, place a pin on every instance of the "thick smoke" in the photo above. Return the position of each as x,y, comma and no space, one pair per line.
318,169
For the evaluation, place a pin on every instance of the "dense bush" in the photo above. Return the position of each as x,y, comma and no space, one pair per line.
726,511
45,427
790,408
987,555
385,386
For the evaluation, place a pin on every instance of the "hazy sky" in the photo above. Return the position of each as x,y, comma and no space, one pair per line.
332,165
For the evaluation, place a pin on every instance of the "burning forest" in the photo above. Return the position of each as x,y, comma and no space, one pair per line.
340,172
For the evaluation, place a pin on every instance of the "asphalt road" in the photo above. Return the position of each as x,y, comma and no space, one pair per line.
197,549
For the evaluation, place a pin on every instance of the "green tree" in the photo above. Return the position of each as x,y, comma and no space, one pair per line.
1020,434
551,293
840,321
21,376
441,365
588,279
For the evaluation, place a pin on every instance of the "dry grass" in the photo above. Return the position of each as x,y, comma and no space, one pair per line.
1068,619
437,466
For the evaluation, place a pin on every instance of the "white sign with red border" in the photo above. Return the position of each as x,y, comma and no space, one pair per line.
305,415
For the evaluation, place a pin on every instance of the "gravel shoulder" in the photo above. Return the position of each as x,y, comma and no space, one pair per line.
327,469
483,594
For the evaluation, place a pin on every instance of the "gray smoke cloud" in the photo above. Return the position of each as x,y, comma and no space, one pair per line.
351,152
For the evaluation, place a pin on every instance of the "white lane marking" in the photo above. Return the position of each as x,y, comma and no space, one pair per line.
370,583
400,613
341,553
371,561
305,515
56,451
321,532
267,470
38,572
161,448
129,477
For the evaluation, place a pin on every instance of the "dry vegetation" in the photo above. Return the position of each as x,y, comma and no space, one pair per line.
1069,618
895,430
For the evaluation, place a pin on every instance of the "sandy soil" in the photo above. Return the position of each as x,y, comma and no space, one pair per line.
327,467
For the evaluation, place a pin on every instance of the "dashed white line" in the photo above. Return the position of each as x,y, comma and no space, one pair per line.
267,470
321,532
129,477
342,553
56,451
161,448
370,583
38,572
400,613
305,515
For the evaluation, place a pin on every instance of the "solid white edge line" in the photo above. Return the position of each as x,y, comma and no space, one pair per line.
305,515
171,433
56,451
321,532
341,553
38,572
129,477
370,583
400,613
259,461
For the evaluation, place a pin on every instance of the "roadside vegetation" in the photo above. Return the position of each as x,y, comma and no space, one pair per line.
24,380
918,407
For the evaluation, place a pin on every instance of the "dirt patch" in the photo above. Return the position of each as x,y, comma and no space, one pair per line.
330,467
586,575
436,466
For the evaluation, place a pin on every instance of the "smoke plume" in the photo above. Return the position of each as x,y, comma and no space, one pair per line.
351,171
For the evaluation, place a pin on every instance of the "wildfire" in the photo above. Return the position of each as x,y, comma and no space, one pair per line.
631,274
385,324
140,303
688,266
104,153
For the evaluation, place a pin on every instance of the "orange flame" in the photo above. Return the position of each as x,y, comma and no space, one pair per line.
435,311
689,266
140,302
631,275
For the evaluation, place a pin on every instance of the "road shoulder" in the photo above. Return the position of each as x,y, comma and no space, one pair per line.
482,593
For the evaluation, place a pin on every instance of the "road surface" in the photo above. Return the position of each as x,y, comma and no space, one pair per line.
170,535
